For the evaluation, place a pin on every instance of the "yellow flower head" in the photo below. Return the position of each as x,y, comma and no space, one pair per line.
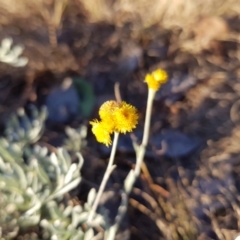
156,79
107,109
126,118
101,132
115,117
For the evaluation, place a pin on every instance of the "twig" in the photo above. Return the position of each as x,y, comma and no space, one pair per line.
160,224
117,92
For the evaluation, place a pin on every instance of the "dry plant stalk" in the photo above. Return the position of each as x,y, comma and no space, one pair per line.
51,11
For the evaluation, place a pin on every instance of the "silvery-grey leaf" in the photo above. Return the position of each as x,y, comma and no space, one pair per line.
64,158
36,149
67,211
6,43
16,199
13,122
35,184
34,209
86,207
79,235
15,149
80,159
83,217
21,62
4,142
25,122
75,216
20,175
33,134
45,224
6,155
26,221
128,182
17,50
65,189
43,152
9,58
43,176
55,211
45,194
83,131
98,220
91,196
54,237
43,113
5,167
69,175
10,55
10,184
54,159
70,131
88,234
21,133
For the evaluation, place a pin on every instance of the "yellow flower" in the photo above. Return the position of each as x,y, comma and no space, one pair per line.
101,132
156,79
115,117
126,118
107,109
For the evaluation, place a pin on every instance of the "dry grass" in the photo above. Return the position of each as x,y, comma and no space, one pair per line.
26,8
51,11
145,13
140,13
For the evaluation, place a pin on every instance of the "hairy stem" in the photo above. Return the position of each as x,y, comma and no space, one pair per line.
142,148
106,176
130,181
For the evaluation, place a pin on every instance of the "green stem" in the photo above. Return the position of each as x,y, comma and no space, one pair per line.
106,176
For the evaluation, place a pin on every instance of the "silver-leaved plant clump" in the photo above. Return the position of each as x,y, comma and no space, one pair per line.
34,181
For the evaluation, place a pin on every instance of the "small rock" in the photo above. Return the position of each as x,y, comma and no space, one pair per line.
173,143
63,102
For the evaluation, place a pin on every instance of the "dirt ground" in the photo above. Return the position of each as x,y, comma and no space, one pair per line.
190,191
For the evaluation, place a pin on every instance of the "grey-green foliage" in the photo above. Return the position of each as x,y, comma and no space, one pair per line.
27,188
66,222
76,138
10,54
8,218
25,129
34,180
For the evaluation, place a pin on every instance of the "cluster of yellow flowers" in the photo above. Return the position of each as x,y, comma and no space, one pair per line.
156,79
115,117
122,117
